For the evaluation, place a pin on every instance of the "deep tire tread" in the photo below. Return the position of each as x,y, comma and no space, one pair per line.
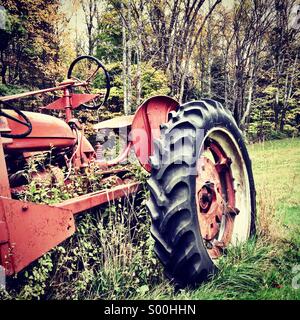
175,228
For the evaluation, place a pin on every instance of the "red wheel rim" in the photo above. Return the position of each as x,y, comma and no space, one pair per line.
215,198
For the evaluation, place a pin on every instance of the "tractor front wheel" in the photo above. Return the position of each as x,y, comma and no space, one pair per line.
202,195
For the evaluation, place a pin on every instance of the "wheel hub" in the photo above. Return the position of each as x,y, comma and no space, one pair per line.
215,197
206,197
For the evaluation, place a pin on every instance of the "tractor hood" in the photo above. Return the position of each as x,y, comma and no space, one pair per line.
47,132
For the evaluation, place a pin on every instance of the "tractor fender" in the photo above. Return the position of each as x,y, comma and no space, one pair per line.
146,126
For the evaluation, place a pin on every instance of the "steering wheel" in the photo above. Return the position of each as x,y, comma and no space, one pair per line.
90,70
24,121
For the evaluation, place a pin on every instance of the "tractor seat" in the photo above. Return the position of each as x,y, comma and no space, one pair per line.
114,123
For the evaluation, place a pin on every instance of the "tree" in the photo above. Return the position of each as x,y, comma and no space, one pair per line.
130,13
252,20
109,45
91,9
285,52
32,56
177,26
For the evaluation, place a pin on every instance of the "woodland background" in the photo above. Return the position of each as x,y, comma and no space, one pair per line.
244,54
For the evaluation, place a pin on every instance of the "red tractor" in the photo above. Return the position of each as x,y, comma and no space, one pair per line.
202,195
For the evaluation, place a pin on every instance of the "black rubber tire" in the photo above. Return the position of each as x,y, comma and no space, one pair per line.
172,204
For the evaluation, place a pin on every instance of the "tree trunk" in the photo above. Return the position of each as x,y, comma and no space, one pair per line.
209,52
3,68
288,92
248,106
182,82
139,56
129,54
125,53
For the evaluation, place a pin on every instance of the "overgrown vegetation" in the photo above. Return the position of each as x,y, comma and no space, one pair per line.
111,254
242,53
110,257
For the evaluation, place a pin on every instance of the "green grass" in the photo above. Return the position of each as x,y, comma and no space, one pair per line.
261,268
276,166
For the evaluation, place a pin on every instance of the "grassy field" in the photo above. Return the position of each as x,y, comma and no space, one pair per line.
261,269
276,166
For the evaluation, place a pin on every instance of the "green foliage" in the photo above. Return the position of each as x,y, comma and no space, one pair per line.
46,183
109,48
254,270
116,97
90,117
32,55
6,90
154,82
262,125
110,256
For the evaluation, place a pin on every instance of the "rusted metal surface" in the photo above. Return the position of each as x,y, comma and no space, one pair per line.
33,229
32,93
29,230
79,99
91,200
210,198
146,126
215,199
75,101
5,192
47,132
84,153
4,182
60,87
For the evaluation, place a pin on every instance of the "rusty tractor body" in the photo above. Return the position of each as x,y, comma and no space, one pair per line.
28,230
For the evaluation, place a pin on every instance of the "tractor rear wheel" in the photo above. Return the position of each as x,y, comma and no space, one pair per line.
202,195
